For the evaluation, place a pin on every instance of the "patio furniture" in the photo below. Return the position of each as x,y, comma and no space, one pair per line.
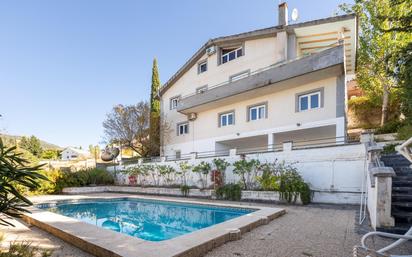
364,251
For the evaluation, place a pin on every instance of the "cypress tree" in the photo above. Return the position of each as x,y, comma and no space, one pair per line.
155,112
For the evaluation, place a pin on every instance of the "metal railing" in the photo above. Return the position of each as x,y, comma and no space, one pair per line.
217,153
269,148
323,142
246,75
405,149
260,149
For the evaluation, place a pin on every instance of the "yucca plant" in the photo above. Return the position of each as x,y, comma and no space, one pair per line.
15,172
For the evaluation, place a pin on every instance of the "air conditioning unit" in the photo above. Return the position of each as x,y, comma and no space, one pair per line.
192,116
211,50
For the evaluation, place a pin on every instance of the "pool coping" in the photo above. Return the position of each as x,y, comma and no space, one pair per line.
102,242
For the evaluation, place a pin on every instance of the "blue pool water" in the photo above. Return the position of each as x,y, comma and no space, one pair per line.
146,219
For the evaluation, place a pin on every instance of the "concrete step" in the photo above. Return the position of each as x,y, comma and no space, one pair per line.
403,169
402,189
403,183
400,197
402,178
401,214
401,204
399,228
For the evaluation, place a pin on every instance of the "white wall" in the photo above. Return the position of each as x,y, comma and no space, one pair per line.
334,173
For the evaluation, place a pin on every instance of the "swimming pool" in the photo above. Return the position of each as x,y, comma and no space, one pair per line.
151,220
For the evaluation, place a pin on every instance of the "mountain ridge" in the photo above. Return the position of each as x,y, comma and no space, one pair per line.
9,139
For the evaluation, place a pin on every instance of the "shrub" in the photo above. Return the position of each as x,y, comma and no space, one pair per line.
231,192
185,167
185,189
166,171
389,148
203,169
405,132
284,178
389,127
292,186
218,175
269,181
58,179
25,249
15,172
247,170
99,177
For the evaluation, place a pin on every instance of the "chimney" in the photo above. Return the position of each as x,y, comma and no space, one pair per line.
283,14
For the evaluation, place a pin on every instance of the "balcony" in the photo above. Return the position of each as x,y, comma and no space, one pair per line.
289,74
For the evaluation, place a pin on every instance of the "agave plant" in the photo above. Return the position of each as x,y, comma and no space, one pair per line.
15,172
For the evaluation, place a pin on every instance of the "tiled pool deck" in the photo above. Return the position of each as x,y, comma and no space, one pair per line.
102,242
313,230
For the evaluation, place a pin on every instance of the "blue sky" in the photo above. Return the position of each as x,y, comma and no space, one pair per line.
64,64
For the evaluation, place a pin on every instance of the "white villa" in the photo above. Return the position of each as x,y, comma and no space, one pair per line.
72,153
258,89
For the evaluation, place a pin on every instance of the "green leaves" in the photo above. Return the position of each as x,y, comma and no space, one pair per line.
15,172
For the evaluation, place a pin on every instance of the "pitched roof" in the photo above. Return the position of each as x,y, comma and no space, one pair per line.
254,34
78,151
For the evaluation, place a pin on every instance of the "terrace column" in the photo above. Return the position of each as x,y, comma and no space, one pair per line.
271,142
340,130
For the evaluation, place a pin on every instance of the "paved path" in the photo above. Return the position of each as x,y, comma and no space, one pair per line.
314,230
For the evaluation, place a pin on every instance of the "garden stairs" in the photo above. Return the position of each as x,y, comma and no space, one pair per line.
401,192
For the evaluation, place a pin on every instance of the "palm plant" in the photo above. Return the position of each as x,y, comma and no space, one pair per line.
15,172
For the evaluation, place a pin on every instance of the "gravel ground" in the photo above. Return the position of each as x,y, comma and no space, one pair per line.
314,230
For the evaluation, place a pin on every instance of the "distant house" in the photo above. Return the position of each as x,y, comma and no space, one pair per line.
72,153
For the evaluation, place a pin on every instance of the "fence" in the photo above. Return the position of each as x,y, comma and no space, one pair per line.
334,171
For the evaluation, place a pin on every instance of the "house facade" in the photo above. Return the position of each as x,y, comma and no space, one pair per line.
256,90
71,153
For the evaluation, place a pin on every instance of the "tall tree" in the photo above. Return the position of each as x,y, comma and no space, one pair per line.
129,126
398,22
375,46
32,144
155,112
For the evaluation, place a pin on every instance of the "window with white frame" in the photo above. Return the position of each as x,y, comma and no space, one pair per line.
183,128
309,101
202,67
229,54
226,119
257,112
174,101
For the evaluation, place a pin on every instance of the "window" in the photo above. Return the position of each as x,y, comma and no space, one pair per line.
240,75
309,101
257,112
201,90
229,54
202,67
182,128
174,101
226,119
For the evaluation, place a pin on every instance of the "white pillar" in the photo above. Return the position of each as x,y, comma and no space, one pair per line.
232,152
340,130
287,146
271,142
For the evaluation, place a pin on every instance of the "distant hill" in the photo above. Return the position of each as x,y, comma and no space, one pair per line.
10,140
